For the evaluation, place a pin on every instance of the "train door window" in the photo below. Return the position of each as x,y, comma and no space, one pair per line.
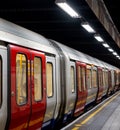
49,79
83,78
100,78
94,78
21,75
89,77
106,78
103,79
72,79
101,74
0,81
37,79
79,78
115,77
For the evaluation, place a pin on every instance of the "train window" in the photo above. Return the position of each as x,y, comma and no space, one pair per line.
115,77
83,78
49,79
106,78
94,78
100,77
89,78
0,81
79,78
21,84
37,79
72,79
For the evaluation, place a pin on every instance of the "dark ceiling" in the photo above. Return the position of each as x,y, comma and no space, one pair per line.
47,19
114,9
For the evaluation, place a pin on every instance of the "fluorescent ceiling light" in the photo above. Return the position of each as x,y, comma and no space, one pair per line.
105,45
63,5
117,56
98,38
111,50
88,27
114,53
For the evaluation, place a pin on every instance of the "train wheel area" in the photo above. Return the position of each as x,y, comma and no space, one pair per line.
105,116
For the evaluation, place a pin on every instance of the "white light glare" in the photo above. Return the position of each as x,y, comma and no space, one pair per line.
88,27
111,50
68,9
117,56
105,45
114,53
98,38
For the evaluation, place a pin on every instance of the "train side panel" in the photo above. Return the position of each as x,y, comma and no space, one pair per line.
51,94
70,86
3,87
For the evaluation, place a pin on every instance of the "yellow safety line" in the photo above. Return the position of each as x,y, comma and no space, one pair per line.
77,126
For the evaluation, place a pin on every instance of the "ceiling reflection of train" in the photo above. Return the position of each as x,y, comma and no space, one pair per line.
44,83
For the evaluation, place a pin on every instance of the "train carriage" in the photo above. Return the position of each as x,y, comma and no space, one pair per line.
26,103
44,83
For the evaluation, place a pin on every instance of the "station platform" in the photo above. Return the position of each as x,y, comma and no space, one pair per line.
105,116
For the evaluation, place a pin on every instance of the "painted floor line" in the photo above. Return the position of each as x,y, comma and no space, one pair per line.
108,100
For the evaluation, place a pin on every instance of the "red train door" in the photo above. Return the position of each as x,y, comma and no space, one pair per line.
38,84
81,89
100,85
109,83
27,108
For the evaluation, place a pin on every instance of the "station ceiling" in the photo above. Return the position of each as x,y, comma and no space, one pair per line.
47,19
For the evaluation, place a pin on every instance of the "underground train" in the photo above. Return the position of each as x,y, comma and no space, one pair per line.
44,83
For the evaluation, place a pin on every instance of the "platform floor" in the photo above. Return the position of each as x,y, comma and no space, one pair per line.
105,116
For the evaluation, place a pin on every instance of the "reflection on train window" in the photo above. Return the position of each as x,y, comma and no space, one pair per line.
72,79
49,79
94,78
37,79
21,84
83,78
79,78
89,77
0,81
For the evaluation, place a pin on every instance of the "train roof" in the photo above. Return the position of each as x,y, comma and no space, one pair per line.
76,55
15,34
18,35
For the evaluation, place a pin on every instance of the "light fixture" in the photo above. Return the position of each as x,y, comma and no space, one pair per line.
114,53
86,26
98,38
117,56
67,8
111,50
105,45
